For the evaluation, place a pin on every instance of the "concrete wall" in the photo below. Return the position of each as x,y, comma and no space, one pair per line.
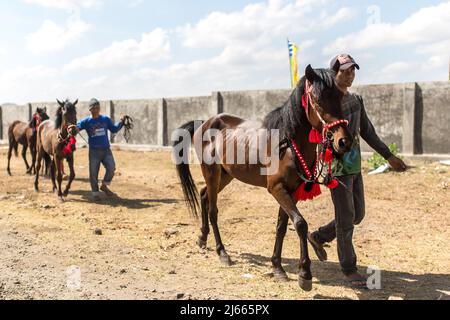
415,116
11,113
181,110
433,117
253,105
384,105
146,115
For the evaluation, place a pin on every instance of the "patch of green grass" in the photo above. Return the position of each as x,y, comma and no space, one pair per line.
376,160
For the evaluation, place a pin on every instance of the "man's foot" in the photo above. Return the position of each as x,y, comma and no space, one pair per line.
108,192
356,281
317,246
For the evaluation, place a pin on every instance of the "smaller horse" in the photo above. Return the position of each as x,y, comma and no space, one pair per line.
57,140
25,134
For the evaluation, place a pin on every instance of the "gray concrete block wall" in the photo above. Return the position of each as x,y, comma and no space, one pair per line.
384,106
146,115
415,116
11,113
182,110
253,105
433,116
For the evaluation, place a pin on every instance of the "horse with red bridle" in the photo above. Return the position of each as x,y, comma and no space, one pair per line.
56,139
310,131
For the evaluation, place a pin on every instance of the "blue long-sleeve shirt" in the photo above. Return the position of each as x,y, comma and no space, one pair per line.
97,130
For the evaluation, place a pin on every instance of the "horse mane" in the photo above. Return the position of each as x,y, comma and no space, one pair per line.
291,115
58,118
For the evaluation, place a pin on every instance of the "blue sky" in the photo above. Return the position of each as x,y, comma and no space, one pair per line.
144,48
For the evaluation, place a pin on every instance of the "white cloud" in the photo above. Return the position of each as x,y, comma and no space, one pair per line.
153,46
428,25
439,53
249,52
260,23
21,82
51,37
66,4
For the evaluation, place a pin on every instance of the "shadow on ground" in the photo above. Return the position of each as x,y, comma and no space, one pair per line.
86,197
394,283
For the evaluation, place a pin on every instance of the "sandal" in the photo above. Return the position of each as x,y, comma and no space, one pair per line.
359,282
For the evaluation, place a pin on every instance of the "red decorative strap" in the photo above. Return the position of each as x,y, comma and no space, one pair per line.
70,147
301,194
334,124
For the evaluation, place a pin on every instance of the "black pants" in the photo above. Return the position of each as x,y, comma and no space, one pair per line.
349,206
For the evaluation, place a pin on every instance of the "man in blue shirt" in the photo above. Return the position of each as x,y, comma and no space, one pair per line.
97,127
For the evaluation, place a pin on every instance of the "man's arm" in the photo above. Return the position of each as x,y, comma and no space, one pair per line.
81,125
369,134
114,128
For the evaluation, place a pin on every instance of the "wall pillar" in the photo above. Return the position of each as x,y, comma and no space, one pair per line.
409,118
163,135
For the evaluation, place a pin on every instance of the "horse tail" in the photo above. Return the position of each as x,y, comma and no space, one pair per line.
11,139
184,173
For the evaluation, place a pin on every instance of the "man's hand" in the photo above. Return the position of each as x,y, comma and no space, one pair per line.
397,164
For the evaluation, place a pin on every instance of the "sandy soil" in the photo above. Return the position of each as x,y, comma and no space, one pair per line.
147,248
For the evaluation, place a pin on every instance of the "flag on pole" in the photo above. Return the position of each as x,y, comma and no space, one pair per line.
293,52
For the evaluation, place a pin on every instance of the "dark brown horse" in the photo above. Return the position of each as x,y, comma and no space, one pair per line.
53,140
25,134
321,109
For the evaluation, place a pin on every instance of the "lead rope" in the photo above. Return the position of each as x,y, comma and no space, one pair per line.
128,124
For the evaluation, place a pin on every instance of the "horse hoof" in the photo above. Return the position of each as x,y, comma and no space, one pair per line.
66,194
280,275
201,243
61,199
305,285
225,260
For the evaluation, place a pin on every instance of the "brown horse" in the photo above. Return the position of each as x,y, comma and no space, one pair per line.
314,104
53,140
25,134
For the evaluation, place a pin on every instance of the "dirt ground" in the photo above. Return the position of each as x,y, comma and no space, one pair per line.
147,248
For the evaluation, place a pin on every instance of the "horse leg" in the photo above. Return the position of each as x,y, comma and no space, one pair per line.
52,174
33,157
203,238
59,177
282,224
225,179
40,154
24,156
10,150
71,176
286,202
215,182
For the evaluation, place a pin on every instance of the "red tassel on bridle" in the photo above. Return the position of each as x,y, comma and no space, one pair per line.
70,147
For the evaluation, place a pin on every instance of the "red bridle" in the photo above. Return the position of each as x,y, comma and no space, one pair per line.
307,100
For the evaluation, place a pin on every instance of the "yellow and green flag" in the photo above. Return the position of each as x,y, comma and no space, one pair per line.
293,52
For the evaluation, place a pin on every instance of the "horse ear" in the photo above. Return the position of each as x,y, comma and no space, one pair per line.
311,75
60,103
44,109
75,103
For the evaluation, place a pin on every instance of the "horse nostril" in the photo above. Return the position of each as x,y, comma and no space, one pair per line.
342,143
